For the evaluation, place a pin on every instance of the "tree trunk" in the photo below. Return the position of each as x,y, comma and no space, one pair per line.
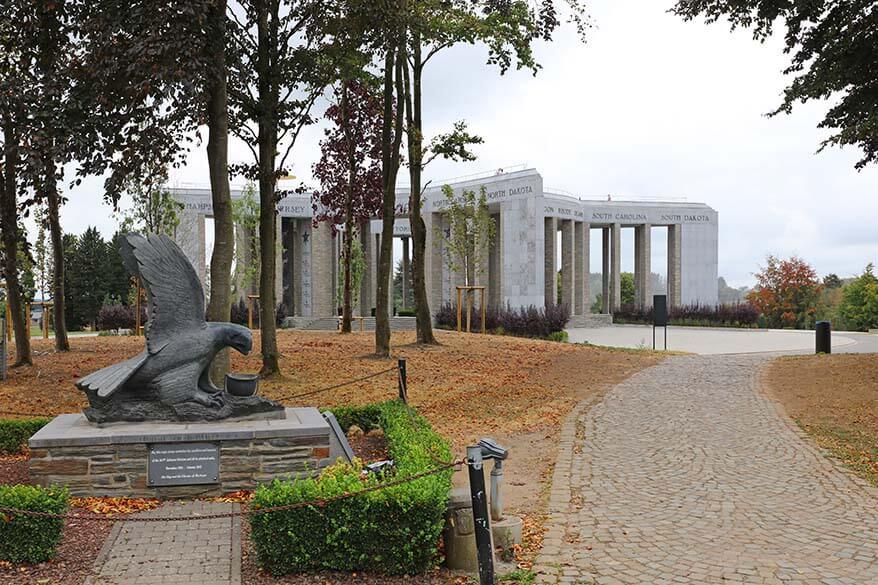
268,97
391,140
423,317
219,303
11,238
62,343
48,64
348,213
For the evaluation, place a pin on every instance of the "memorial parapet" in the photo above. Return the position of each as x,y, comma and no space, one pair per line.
172,460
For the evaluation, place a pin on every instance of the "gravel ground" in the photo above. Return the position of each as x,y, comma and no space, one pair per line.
13,470
80,544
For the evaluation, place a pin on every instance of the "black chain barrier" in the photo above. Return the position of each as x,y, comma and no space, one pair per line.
287,397
335,386
319,503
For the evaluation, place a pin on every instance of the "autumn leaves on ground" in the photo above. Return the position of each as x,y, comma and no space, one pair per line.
470,386
834,398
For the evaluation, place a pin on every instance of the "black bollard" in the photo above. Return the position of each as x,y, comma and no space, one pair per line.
481,521
823,331
403,381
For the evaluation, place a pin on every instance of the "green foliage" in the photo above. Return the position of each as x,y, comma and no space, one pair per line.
26,539
627,285
859,301
558,336
831,281
470,232
627,280
14,433
91,277
833,52
394,530
245,212
358,269
397,291
153,209
520,576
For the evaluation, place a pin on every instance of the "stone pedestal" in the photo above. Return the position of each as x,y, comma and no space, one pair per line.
111,460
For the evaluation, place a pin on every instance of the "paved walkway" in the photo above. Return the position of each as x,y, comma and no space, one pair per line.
686,473
718,340
201,552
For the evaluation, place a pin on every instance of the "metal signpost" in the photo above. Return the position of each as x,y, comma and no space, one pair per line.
660,316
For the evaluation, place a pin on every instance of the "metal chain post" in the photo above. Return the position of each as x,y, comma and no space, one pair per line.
481,521
403,381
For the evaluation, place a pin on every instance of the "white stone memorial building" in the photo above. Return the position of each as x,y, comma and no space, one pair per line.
523,257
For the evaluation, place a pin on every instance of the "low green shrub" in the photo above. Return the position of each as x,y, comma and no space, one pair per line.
27,539
394,530
560,336
406,313
14,433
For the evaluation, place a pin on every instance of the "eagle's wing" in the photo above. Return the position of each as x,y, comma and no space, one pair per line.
176,299
107,380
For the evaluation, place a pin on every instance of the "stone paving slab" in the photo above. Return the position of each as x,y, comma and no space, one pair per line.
200,552
688,473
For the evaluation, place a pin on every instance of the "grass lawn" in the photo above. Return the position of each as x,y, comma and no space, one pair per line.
516,390
834,398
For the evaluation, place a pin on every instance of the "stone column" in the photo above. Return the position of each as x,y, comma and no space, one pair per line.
376,253
243,259
278,261
190,236
616,269
322,295
297,246
287,243
390,279
568,265
674,255
643,265
406,272
368,269
607,254
581,268
551,283
435,269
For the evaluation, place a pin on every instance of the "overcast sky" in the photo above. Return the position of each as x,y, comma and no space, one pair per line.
650,106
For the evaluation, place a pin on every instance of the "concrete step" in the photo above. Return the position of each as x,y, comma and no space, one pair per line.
331,323
591,321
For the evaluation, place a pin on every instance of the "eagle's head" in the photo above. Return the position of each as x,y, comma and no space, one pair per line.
237,337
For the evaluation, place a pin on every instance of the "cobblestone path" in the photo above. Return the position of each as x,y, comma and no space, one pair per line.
199,552
687,473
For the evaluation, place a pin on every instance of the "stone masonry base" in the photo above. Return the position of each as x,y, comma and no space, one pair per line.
112,460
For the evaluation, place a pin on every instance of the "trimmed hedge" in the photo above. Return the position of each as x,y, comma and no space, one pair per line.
14,433
26,539
394,530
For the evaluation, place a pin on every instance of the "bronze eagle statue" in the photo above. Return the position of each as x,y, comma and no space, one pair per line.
169,379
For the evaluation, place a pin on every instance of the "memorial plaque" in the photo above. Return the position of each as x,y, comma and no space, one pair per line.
183,464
